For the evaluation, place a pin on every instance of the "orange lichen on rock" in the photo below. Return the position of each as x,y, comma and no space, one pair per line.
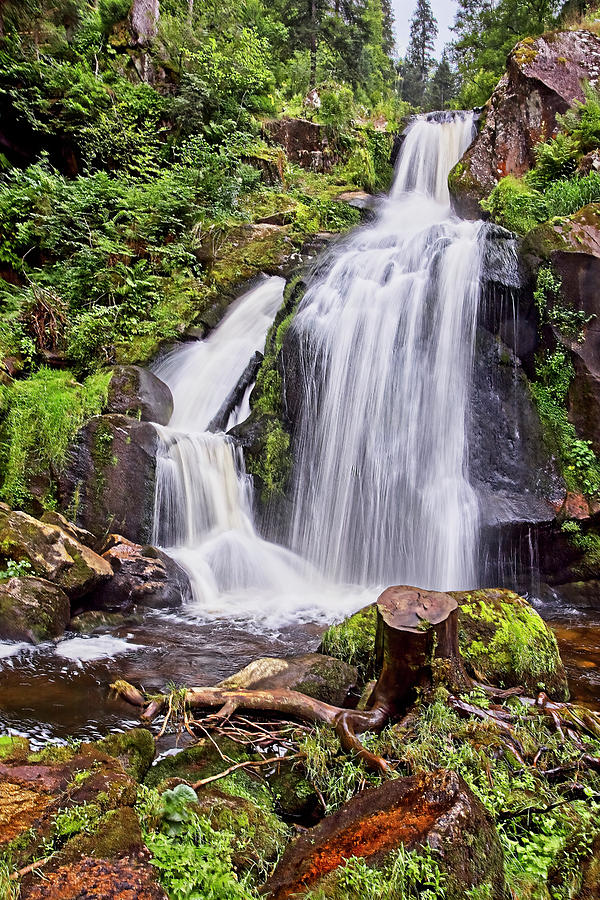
123,879
19,808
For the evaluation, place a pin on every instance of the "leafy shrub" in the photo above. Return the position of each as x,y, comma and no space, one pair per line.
519,206
549,301
582,121
554,160
337,105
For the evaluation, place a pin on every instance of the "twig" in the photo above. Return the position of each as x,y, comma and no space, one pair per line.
243,765
34,865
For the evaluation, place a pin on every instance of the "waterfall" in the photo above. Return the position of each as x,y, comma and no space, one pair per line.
385,342
380,490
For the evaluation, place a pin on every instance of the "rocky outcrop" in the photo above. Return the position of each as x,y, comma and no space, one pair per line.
54,554
544,77
138,393
305,142
319,676
144,18
143,576
108,483
436,809
32,609
572,245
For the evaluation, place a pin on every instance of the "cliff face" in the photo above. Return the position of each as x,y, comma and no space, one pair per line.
544,78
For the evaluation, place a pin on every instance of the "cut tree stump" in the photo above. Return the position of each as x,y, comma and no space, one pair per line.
416,644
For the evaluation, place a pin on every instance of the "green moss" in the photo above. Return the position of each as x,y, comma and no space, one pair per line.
272,467
353,641
13,746
505,642
134,749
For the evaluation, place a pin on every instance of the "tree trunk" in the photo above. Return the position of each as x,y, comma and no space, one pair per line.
313,44
416,643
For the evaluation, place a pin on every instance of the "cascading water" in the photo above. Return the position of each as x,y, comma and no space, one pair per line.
381,492
385,341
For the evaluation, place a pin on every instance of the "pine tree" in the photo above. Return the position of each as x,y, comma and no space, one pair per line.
423,32
443,86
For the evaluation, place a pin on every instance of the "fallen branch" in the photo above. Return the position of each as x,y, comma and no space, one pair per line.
14,876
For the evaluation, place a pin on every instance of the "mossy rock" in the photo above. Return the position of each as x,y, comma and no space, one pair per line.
13,747
33,610
258,835
117,834
134,749
325,678
296,797
353,641
505,642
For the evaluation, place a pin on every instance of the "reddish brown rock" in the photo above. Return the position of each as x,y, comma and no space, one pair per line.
143,576
544,77
436,808
122,879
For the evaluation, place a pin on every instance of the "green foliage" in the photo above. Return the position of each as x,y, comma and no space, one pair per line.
176,814
548,299
353,640
582,121
45,411
194,863
406,875
519,206
14,569
554,160
580,466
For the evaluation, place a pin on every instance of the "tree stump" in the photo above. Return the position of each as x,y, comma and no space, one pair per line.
416,645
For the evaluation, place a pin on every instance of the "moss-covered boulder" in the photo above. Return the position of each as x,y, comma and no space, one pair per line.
134,749
504,641
107,453
435,809
32,609
544,77
241,803
53,553
325,678
136,392
297,800
353,640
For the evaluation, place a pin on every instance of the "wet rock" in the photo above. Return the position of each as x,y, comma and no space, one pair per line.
32,609
52,517
143,576
108,485
297,800
572,245
504,642
544,77
54,554
322,677
136,392
122,879
436,808
97,621
305,142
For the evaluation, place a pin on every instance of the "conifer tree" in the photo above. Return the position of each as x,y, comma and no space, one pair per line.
419,58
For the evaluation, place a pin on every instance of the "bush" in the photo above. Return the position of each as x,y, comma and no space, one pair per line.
555,159
519,206
582,121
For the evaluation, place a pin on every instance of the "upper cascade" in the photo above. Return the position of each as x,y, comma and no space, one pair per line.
432,146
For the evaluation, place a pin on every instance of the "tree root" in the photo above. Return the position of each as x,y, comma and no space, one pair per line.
347,723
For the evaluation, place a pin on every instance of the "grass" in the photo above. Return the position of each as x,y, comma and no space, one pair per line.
43,414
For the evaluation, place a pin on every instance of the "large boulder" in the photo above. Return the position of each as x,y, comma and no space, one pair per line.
322,677
435,809
54,554
143,576
108,484
544,77
137,392
32,609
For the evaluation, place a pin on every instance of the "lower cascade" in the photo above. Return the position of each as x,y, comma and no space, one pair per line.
380,488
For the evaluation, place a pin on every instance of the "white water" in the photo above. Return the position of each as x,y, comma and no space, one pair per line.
381,492
203,499
386,341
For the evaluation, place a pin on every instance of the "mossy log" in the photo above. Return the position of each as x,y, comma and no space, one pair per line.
417,631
